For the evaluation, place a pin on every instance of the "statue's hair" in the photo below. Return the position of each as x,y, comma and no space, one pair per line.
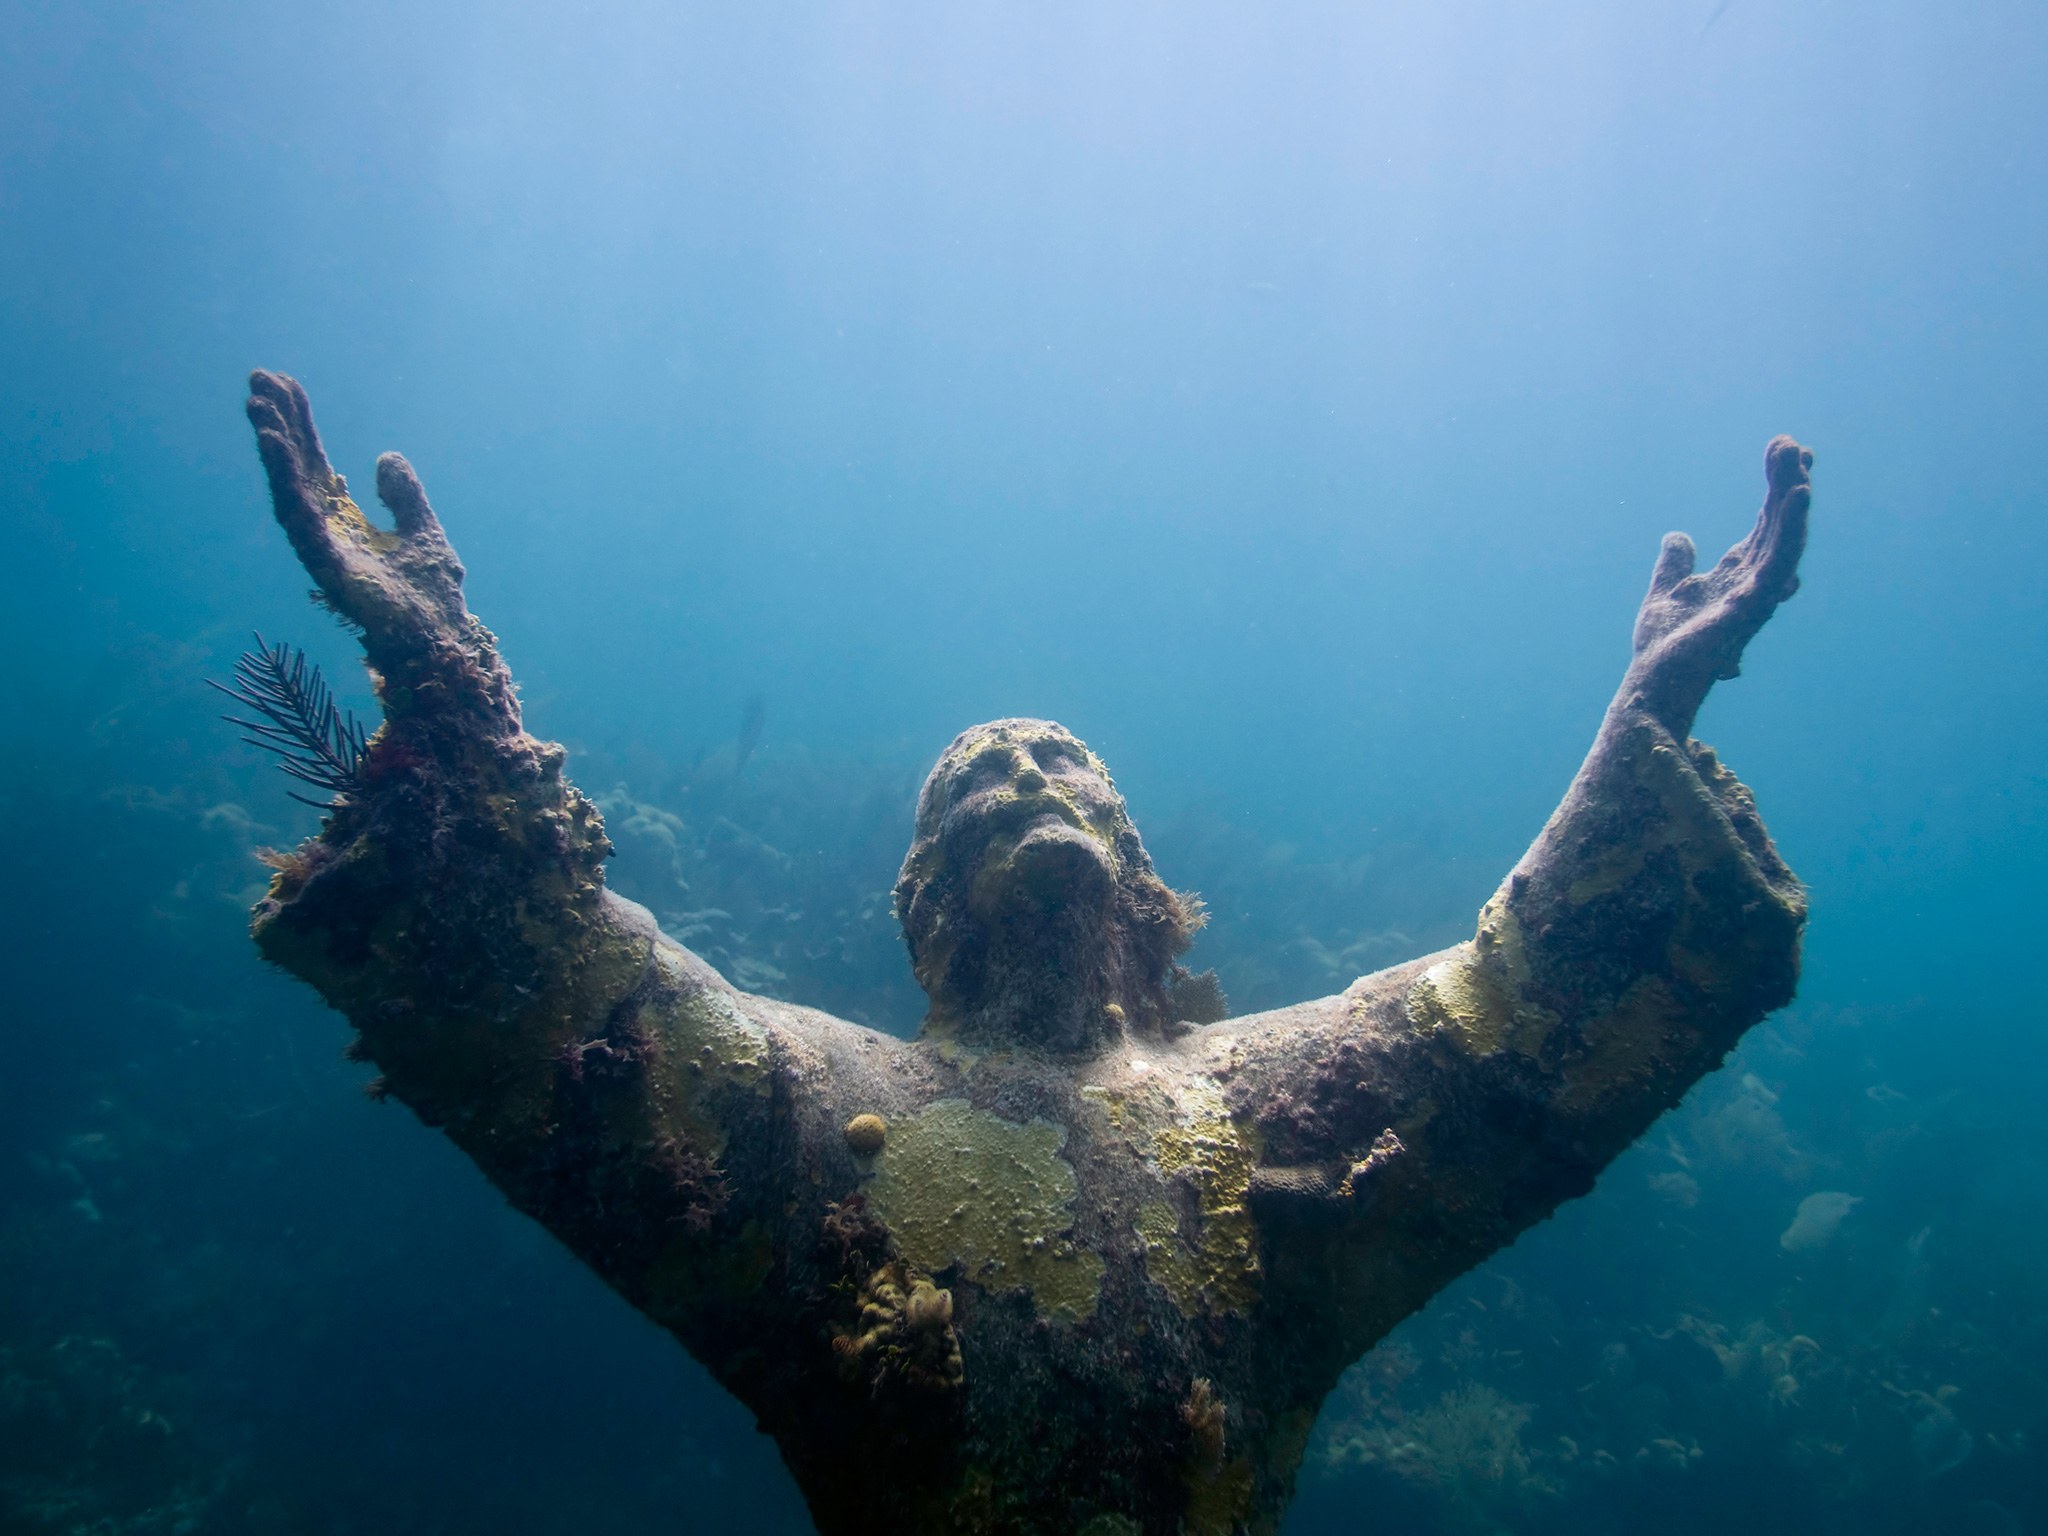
968,972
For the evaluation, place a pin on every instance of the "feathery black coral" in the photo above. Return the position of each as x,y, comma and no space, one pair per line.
313,739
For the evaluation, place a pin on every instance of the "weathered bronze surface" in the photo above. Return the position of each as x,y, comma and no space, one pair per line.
1063,1263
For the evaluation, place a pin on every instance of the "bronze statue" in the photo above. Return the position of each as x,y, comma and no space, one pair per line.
1065,1262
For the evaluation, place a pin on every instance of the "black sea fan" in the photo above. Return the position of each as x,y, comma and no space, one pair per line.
314,740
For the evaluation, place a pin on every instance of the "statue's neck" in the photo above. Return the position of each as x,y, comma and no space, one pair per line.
1078,1000
1073,1022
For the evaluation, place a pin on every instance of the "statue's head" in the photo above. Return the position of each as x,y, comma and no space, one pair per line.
1028,901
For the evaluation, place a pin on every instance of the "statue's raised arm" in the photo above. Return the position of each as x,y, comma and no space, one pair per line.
453,906
1419,1121
1074,1260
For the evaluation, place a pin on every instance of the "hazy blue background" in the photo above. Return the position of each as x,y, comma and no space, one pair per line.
1289,399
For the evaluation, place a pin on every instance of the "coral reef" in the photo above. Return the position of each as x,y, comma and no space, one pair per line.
84,1446
1816,1386
1206,1417
1816,1221
711,862
905,1335
866,1135
1466,1447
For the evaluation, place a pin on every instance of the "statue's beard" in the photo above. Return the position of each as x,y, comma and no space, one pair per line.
1026,928
1050,875
1036,938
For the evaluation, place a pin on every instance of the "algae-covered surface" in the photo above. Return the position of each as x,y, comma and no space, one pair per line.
1210,1263
968,1190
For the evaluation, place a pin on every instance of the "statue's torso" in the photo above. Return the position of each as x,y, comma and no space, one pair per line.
1112,1343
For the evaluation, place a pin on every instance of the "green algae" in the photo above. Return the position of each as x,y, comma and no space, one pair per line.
1214,1268
959,1186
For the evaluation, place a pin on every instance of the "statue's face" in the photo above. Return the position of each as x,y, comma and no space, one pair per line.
1032,812
1027,897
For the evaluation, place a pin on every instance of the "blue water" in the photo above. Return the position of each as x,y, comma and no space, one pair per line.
1287,399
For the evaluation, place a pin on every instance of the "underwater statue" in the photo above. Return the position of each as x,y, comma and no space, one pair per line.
1066,1262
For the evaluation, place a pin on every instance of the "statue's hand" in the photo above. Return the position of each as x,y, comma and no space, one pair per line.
401,589
1691,629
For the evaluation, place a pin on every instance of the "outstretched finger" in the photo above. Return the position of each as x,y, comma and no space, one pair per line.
300,477
1781,525
1660,609
1674,563
278,406
401,492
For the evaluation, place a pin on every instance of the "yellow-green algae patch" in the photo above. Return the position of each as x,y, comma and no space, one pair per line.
710,1047
958,1185
1112,1106
1215,1268
1472,996
1168,1259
